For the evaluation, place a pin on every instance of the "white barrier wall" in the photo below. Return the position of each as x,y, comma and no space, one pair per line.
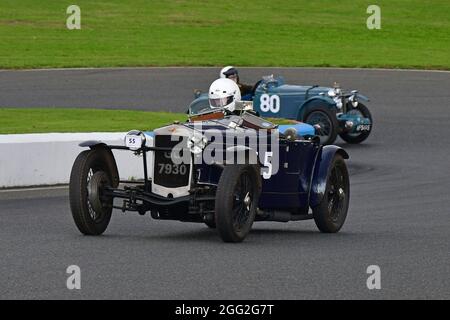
46,159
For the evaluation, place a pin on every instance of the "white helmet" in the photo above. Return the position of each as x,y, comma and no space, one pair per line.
228,71
223,93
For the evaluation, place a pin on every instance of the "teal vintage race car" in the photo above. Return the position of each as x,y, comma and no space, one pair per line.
331,110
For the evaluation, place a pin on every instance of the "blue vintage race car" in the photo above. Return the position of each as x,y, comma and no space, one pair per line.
224,170
331,111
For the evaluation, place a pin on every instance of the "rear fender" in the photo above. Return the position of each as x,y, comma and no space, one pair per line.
322,169
312,102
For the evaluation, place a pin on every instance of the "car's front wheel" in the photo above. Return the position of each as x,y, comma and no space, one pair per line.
91,209
330,214
325,123
237,199
358,137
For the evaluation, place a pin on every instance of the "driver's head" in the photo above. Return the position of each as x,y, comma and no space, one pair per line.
230,72
223,93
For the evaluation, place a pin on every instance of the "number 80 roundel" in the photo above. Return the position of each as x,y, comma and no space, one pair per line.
270,103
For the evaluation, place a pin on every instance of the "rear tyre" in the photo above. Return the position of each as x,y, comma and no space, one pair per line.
330,214
237,200
325,122
362,111
91,173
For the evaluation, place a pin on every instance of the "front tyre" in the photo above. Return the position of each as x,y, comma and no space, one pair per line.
237,199
91,173
325,122
330,214
358,137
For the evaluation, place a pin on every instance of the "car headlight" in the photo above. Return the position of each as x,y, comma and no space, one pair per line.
197,143
353,100
332,93
338,102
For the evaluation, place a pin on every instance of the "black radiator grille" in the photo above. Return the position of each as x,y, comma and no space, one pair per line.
166,173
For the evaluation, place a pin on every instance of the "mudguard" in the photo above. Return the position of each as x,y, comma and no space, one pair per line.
304,108
362,97
91,143
321,171
109,158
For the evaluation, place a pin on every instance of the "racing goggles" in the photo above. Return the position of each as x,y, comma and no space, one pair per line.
231,72
220,102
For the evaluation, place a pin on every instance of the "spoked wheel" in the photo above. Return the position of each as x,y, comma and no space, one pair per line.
237,199
325,123
357,137
242,201
91,174
330,214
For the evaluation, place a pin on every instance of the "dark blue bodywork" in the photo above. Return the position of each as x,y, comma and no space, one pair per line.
298,184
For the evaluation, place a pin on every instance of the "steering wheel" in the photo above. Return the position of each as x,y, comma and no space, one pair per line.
256,86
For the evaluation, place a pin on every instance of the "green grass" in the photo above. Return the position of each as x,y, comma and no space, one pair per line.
44,120
414,34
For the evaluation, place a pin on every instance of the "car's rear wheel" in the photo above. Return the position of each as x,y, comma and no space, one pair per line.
91,209
325,123
331,213
358,137
237,199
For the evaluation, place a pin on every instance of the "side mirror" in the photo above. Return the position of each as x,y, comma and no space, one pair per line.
244,105
248,105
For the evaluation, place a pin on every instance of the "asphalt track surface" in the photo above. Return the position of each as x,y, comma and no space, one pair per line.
399,217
